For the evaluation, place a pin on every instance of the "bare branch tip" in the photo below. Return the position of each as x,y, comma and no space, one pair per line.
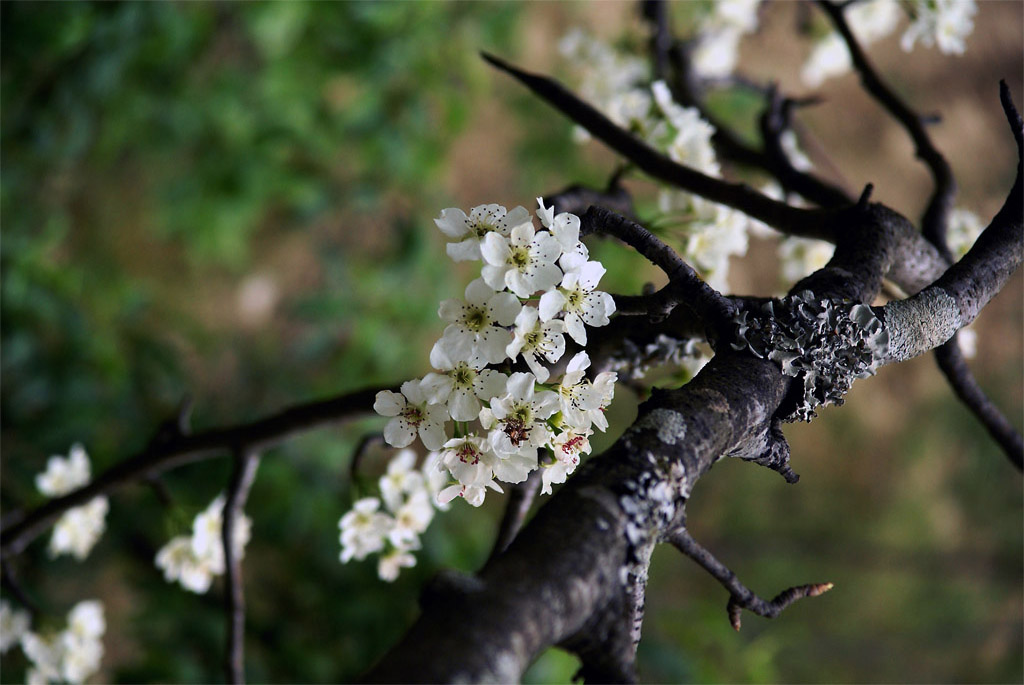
865,195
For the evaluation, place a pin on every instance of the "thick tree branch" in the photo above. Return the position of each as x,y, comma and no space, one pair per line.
242,478
162,455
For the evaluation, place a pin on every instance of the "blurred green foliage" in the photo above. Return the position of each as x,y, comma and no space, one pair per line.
158,156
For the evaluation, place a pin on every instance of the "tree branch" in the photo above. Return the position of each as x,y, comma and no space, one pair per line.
520,498
161,456
792,220
242,478
740,597
936,216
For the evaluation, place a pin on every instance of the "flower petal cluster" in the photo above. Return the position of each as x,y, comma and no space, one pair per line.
408,496
13,624
194,560
483,423
71,655
943,23
79,529
869,21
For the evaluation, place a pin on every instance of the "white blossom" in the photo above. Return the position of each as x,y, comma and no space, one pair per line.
413,416
604,386
207,540
578,298
363,530
470,230
473,494
71,655
524,262
411,520
829,58
475,324
436,477
401,479
179,563
391,564
13,624
79,529
469,459
462,385
535,340
517,425
800,257
576,395
964,228
64,475
567,448
945,23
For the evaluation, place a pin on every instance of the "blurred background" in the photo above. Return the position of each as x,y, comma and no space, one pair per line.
235,202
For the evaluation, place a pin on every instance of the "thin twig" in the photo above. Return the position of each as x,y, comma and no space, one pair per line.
785,218
936,216
739,596
13,585
951,360
157,458
715,309
520,499
242,478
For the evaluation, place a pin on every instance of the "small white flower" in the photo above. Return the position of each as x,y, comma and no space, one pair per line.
964,228
207,539
716,54
64,475
46,655
604,386
967,338
524,262
363,530
411,519
578,298
473,494
470,459
436,475
471,230
401,479
576,395
565,227
86,619
873,20
13,624
945,23
800,257
392,563
462,385
475,325
517,425
413,416
81,657
79,529
535,339
829,58
567,448
180,563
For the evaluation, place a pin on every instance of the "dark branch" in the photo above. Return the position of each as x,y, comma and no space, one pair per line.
242,478
256,436
936,216
792,220
712,307
740,597
951,360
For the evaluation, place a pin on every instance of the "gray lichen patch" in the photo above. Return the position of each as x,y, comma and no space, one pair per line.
920,323
824,343
669,425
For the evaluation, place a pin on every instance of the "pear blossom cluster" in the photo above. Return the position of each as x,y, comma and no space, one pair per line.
503,399
710,234
943,23
718,35
408,496
68,656
79,528
194,560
